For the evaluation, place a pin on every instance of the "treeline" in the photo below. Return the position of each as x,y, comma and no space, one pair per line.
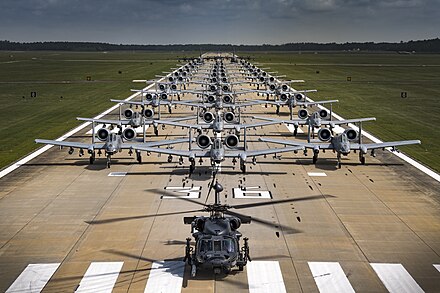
431,45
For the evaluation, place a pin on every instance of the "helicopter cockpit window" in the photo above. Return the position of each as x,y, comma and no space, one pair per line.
228,245
205,245
217,245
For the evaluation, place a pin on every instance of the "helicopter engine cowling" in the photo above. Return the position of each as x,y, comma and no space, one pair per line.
229,117
129,134
227,99
324,134
231,141
128,113
284,97
203,141
324,114
103,134
352,134
208,117
199,224
148,113
235,223
303,114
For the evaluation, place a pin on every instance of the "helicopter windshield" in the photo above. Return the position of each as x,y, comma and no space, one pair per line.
217,245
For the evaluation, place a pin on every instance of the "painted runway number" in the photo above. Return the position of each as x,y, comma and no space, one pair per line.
185,192
251,192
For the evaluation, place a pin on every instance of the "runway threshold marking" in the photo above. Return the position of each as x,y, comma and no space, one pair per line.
33,278
329,277
265,276
396,278
165,276
189,192
38,152
316,174
100,277
251,192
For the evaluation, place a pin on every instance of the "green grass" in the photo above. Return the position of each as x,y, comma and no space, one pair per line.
22,118
375,90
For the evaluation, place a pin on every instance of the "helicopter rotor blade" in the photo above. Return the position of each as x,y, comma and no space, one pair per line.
266,223
121,219
257,204
211,185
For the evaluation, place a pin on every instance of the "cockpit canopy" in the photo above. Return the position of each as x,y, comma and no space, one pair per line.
226,245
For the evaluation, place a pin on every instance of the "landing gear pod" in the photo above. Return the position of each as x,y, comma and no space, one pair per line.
103,134
129,134
324,134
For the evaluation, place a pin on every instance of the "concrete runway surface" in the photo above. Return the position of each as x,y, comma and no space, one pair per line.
69,226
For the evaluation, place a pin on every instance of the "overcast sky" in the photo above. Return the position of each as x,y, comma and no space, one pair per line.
219,21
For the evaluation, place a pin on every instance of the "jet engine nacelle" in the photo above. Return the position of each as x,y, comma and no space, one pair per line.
262,79
208,117
129,134
212,88
203,141
149,113
271,79
211,99
128,113
229,117
231,141
174,87
225,88
351,134
284,87
324,114
149,97
171,79
284,97
299,97
162,87
227,99
164,97
272,87
103,134
324,134
303,114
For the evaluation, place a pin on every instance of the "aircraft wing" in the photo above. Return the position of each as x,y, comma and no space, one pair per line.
251,103
190,104
128,145
293,121
339,122
250,125
231,154
129,102
104,121
173,152
308,145
175,123
79,145
370,146
307,104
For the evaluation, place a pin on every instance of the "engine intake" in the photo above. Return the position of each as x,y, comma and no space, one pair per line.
149,113
303,114
284,97
299,97
149,97
323,114
229,117
351,134
225,88
227,99
324,134
128,113
284,87
164,97
211,99
129,134
231,141
103,134
208,117
235,223
203,141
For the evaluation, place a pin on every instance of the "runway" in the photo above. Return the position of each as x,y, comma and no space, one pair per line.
69,226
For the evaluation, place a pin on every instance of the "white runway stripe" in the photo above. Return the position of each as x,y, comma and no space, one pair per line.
437,267
33,278
396,278
165,277
329,277
316,174
100,277
265,276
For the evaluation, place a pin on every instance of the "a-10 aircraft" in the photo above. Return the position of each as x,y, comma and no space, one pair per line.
217,150
110,143
342,144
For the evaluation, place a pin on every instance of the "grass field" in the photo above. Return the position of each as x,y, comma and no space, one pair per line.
58,74
377,80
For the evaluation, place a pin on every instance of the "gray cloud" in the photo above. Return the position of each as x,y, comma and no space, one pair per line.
219,21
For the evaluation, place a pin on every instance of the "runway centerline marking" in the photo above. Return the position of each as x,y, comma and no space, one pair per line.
316,174
396,278
117,174
100,277
329,277
33,278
